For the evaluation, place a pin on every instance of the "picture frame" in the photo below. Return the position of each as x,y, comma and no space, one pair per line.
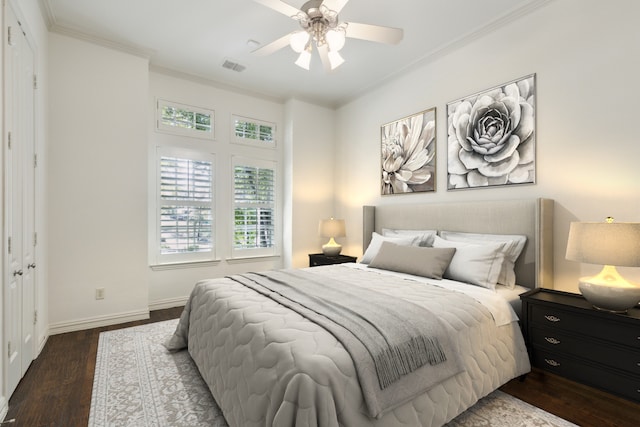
408,154
491,137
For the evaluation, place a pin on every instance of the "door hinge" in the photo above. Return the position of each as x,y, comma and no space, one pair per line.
35,238
35,160
9,139
9,349
9,245
10,35
35,81
35,317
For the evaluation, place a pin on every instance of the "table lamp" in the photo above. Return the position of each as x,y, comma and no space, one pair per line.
331,228
611,244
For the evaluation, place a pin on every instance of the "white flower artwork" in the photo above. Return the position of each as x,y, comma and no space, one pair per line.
491,137
409,154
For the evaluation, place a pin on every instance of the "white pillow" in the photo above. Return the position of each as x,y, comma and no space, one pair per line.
474,264
376,242
514,244
425,237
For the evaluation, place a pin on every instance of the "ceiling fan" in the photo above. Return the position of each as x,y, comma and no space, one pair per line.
322,28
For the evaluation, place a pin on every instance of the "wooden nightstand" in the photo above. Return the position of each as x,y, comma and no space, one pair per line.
322,259
569,337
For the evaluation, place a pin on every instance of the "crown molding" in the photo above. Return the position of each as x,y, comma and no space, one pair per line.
52,24
453,45
212,83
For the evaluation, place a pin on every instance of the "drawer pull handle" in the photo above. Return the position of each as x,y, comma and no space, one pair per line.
551,362
556,319
552,340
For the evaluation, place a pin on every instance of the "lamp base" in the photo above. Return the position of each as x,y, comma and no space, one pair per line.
608,294
331,248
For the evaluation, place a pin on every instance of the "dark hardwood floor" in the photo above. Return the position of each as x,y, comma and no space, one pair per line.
56,391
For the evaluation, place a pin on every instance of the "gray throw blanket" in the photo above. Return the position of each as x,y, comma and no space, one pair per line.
387,337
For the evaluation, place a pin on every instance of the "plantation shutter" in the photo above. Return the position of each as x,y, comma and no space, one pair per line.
185,201
254,206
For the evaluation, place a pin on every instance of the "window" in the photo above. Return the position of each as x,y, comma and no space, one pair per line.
183,119
185,211
254,204
254,132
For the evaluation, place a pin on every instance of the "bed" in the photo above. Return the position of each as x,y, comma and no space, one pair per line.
267,364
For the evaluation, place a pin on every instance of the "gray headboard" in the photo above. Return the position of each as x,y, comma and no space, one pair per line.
532,218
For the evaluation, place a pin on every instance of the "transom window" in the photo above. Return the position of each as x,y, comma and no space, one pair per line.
254,132
183,119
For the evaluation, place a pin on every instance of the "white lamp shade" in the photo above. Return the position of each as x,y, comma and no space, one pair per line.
298,41
335,59
335,39
332,228
304,60
602,243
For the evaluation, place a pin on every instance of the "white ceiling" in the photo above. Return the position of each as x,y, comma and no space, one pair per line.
196,36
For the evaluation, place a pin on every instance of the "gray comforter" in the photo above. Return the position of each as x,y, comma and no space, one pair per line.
387,337
267,365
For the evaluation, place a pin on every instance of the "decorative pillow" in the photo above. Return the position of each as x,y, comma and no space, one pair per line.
425,237
376,242
513,246
474,264
416,260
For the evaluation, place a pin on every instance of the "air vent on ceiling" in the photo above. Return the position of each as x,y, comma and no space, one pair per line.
233,66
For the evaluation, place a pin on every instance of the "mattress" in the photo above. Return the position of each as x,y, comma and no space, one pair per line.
268,366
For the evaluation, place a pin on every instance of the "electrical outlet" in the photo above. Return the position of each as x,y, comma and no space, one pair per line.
99,293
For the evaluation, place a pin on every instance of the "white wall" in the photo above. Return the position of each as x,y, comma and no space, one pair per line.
586,55
170,287
97,184
310,160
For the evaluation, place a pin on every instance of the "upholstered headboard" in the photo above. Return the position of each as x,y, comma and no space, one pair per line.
532,218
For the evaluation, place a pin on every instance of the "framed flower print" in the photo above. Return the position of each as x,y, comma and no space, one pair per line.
409,154
492,136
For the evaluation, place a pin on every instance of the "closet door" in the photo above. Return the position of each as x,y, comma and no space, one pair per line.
19,164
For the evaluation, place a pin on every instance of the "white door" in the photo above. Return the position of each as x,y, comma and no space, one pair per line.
19,292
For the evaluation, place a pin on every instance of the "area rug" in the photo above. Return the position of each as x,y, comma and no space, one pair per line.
137,382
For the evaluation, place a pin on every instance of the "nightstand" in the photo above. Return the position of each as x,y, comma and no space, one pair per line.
322,259
567,336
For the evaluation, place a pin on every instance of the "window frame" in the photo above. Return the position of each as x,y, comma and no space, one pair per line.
251,141
161,127
240,253
157,257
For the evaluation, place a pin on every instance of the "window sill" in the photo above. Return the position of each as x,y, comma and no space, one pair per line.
257,258
187,264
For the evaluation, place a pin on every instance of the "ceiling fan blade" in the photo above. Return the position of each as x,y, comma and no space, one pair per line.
335,5
280,6
374,33
324,57
275,45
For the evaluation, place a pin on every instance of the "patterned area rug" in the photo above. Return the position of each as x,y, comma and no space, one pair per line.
139,383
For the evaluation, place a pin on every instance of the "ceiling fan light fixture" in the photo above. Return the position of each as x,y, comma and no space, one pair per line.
304,60
299,40
335,38
335,59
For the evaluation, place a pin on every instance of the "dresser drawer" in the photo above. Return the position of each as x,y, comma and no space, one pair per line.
559,341
618,332
624,385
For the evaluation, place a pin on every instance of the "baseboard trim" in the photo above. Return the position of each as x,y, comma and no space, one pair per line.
98,321
167,303
4,407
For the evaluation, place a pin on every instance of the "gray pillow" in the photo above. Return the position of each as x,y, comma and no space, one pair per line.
416,260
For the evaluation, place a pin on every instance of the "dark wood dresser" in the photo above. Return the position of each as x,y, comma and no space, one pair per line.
567,336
